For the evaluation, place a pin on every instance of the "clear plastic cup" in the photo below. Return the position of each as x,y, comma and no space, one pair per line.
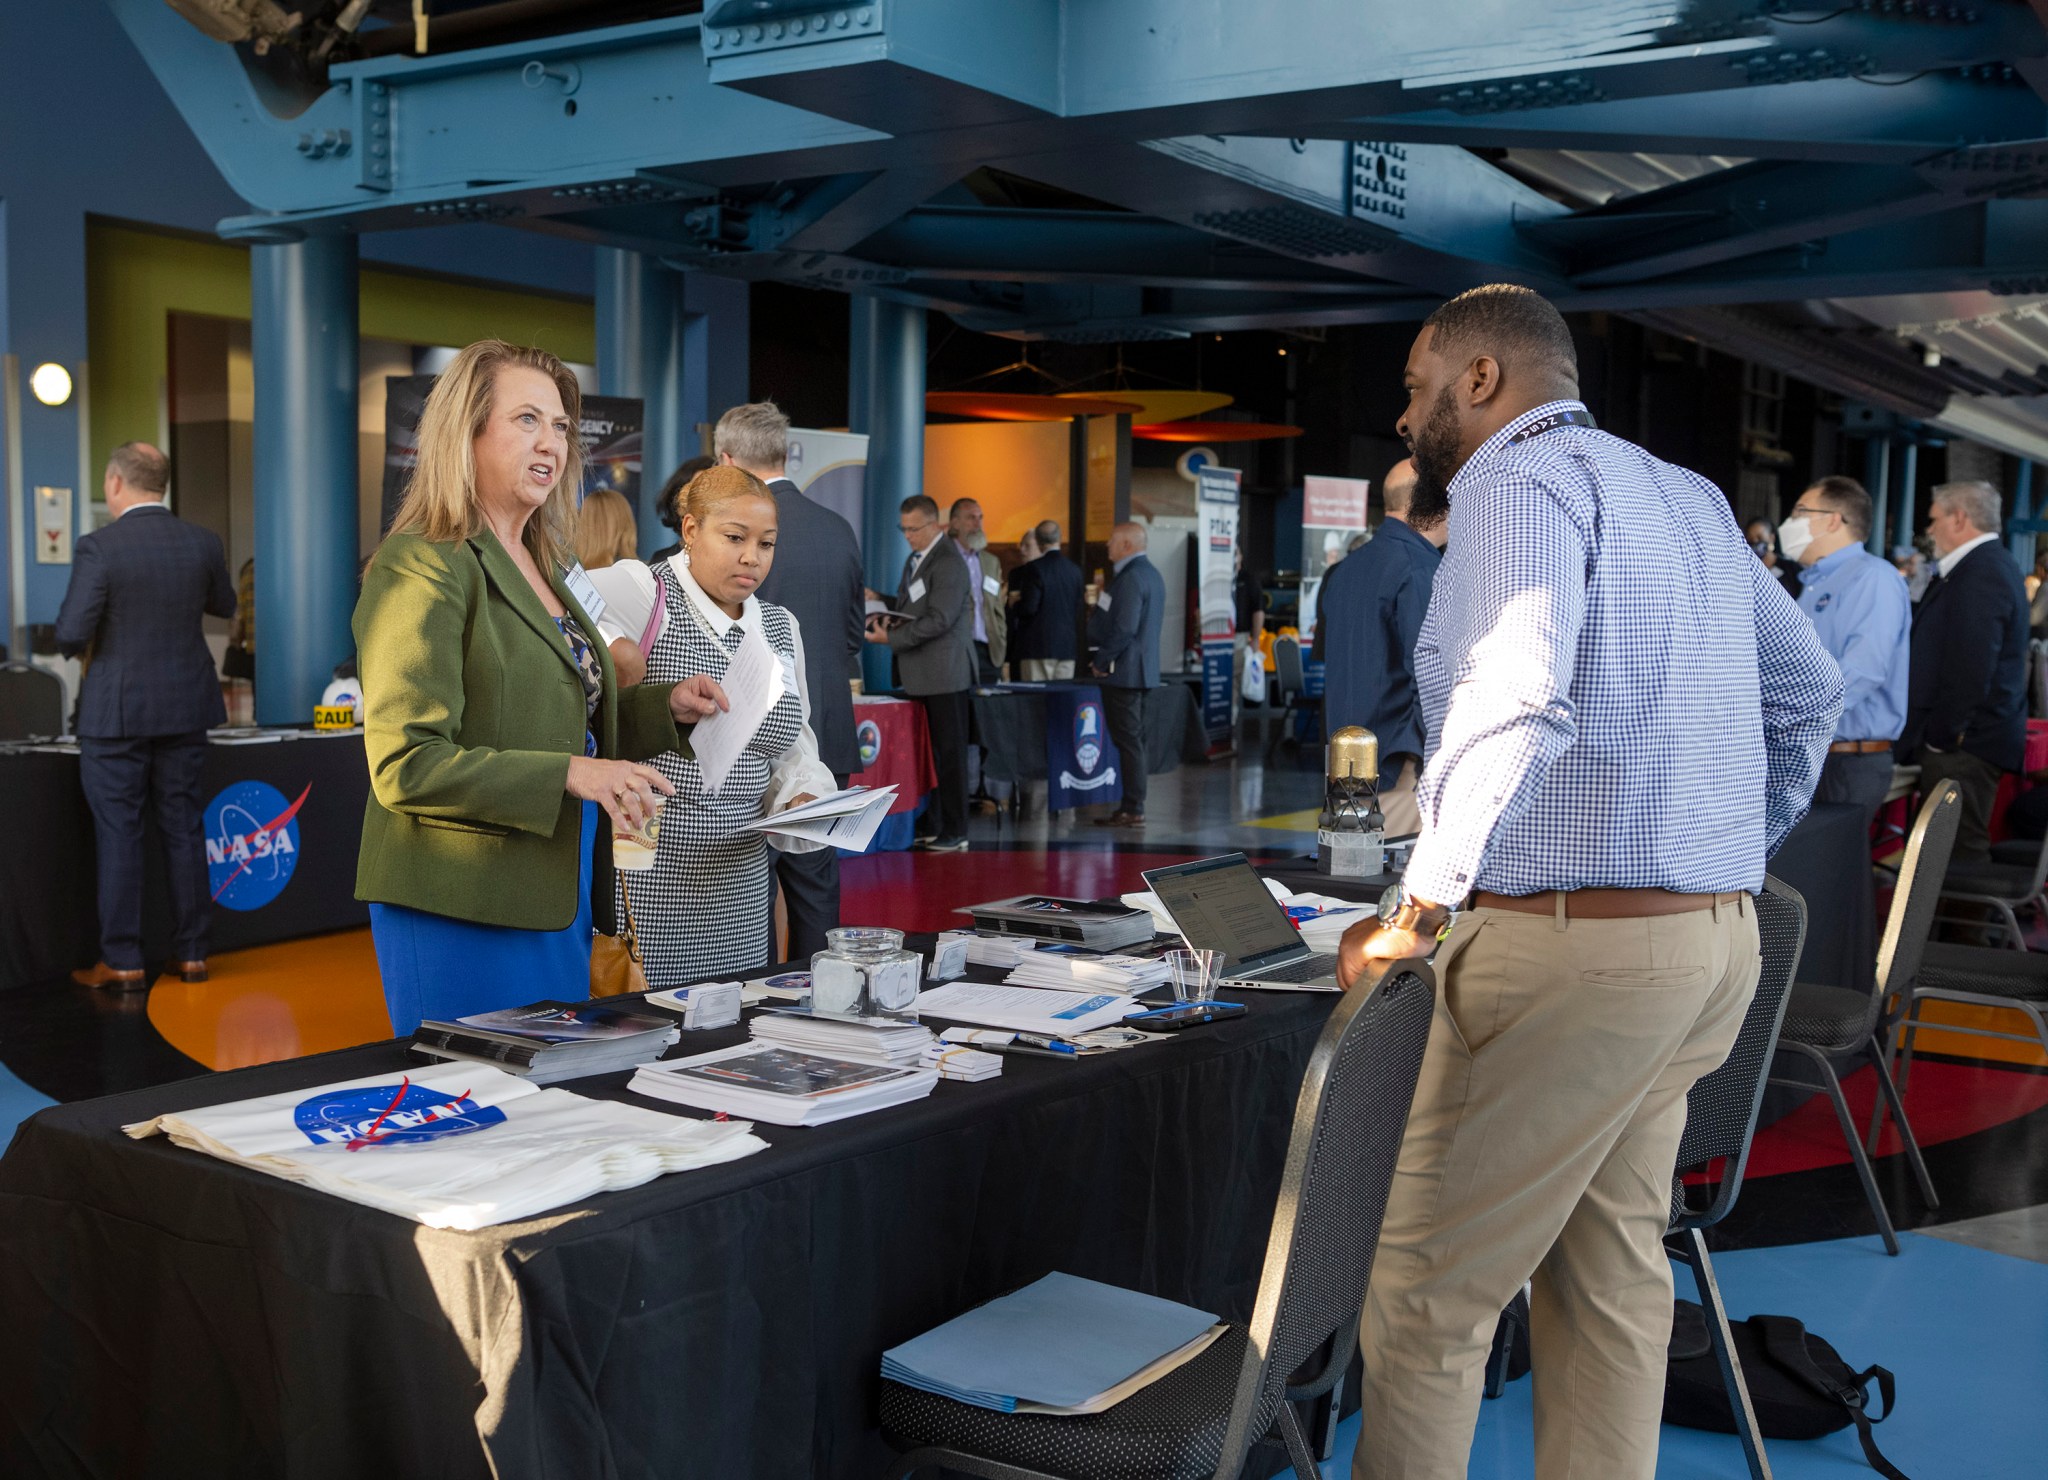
634,851
1195,974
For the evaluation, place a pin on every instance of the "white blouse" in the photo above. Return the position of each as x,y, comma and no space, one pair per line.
629,593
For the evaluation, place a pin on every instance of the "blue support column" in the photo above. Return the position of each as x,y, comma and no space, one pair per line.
887,402
2023,545
1903,506
1877,479
304,339
640,352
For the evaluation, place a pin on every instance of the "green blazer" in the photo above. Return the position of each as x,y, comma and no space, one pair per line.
474,708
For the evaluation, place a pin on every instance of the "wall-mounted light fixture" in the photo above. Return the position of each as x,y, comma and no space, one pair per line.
51,384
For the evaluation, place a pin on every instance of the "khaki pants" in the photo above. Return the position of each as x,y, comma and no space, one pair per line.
1045,670
1403,819
1541,1146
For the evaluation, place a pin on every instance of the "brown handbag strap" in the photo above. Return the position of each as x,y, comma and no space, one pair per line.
631,934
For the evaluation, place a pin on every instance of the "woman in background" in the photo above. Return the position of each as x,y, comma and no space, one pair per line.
709,905
495,726
605,530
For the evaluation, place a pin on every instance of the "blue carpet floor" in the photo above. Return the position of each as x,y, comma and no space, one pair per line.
17,1103
1965,1330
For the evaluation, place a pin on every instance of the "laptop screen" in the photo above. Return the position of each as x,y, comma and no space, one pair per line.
1220,904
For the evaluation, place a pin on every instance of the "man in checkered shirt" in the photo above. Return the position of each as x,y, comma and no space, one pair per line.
1626,714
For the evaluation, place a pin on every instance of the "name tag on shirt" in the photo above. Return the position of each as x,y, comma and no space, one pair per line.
1102,602
577,579
991,585
916,590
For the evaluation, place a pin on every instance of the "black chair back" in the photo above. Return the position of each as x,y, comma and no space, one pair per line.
1721,1108
1348,1125
31,702
1917,895
1287,674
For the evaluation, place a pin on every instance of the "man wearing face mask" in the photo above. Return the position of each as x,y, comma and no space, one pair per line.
1860,608
1624,714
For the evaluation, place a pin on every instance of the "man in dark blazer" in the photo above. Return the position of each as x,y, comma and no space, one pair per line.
1368,616
817,576
1125,630
139,590
1044,619
1966,691
934,647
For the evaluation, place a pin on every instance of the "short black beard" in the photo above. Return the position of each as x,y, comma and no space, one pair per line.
1435,454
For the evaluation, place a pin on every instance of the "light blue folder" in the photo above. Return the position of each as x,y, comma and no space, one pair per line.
1060,1342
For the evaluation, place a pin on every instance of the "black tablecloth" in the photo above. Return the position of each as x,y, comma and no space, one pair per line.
1010,724
49,920
171,1314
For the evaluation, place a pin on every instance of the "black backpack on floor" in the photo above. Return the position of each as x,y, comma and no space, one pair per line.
1799,1386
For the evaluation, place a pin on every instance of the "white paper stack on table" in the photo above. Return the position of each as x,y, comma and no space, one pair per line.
551,1041
846,819
453,1145
782,1086
889,1042
957,1061
1062,967
1062,1345
998,950
1026,1009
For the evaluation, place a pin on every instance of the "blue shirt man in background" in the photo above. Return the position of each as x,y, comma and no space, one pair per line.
1864,615
1368,618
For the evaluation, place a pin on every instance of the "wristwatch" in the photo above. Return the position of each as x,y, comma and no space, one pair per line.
1399,912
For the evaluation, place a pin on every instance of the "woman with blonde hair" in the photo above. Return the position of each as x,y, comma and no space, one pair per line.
605,530
709,905
495,726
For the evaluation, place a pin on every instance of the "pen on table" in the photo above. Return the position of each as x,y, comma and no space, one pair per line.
1056,1045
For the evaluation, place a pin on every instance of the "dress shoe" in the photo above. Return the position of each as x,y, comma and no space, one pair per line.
99,974
190,971
1121,818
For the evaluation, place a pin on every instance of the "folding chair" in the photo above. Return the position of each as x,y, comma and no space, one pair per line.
1203,1418
1292,684
2015,879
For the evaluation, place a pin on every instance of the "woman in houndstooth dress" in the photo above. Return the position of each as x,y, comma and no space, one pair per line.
707,907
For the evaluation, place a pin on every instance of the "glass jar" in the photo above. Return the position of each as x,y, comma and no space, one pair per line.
865,972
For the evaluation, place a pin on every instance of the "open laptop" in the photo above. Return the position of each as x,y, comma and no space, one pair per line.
1220,904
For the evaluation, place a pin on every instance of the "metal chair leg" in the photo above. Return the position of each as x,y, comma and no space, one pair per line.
1891,1094
1855,1143
1304,1462
1886,1048
2012,926
1912,1029
1694,1252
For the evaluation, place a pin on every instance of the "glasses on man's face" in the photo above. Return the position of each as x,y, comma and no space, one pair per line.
1809,511
919,528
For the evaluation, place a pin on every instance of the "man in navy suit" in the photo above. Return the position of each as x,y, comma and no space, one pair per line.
139,590
1966,685
1125,630
1045,633
817,576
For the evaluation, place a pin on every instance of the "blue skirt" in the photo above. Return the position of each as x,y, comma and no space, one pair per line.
435,966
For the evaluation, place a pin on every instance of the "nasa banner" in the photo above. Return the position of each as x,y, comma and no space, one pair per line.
831,468
1215,549
1082,766
252,843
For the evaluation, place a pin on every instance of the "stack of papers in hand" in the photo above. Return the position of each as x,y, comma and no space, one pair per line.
873,1040
782,1086
1059,966
453,1145
1026,1009
550,1041
1063,1345
846,819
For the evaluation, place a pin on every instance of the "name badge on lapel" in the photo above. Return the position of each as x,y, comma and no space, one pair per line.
916,590
577,579
991,585
1102,602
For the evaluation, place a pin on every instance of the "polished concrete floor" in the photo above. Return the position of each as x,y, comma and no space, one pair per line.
1964,1310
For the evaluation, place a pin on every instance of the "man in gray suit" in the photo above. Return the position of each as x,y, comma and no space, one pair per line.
1125,630
934,647
817,577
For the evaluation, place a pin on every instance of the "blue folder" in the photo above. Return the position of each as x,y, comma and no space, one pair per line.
1060,1342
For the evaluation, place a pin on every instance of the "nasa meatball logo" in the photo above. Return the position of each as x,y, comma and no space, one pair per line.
390,1114
252,844
1088,737
870,736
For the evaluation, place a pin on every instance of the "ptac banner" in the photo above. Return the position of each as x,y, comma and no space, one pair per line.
1215,549
1082,766
1332,516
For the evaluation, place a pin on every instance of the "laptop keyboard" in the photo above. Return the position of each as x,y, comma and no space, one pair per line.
1308,969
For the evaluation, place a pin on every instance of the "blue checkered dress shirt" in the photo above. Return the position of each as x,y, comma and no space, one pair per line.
1617,692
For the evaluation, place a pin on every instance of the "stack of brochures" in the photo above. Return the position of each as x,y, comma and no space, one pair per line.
1081,922
1063,1345
1026,1009
1059,966
999,950
453,1145
889,1042
956,1061
550,1041
782,1086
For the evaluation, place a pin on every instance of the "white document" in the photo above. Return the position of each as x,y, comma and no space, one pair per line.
1026,1009
846,819
752,684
